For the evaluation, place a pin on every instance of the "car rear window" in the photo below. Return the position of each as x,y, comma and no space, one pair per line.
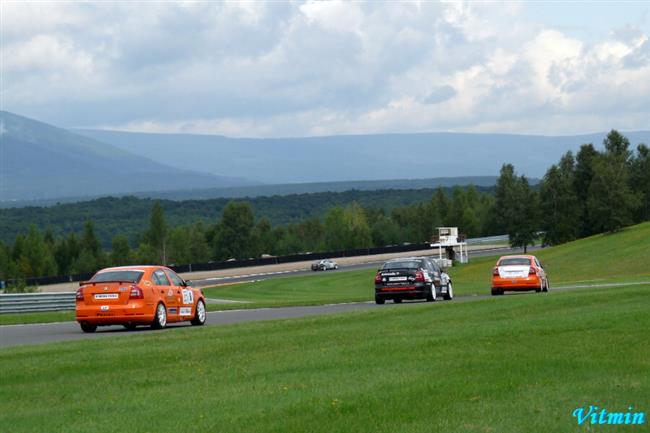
130,276
406,264
520,261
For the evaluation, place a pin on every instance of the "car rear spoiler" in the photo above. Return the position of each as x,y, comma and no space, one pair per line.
84,283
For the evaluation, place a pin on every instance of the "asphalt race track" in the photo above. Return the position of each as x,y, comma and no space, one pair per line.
13,335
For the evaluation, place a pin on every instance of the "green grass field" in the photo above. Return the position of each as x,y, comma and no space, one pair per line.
515,364
621,256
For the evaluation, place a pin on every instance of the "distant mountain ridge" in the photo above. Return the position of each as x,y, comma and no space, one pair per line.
281,190
359,157
41,161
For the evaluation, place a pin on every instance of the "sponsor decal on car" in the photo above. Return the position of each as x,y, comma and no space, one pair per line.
106,296
188,297
104,307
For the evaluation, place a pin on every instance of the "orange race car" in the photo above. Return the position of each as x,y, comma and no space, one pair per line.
137,295
518,273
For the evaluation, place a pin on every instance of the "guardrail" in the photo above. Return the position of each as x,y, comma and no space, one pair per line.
488,239
31,302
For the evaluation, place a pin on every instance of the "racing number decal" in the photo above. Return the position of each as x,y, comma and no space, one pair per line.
188,297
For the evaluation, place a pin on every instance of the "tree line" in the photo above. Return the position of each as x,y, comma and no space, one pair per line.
593,192
237,233
589,193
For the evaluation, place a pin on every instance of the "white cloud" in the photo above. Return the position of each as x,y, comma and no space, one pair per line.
312,68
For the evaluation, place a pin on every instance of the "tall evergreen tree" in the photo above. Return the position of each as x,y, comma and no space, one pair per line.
505,200
559,206
640,182
610,203
583,175
199,250
442,206
525,223
89,240
157,232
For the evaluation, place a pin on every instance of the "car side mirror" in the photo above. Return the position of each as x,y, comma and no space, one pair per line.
187,283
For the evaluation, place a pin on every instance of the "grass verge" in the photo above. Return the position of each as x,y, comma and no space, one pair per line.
42,317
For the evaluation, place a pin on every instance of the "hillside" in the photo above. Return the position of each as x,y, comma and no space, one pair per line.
596,259
40,161
130,215
356,157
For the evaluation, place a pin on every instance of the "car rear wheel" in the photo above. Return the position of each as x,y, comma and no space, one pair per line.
450,292
87,327
199,317
432,296
497,292
397,300
379,300
546,286
160,319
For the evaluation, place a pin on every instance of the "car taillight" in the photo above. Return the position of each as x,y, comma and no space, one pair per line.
419,276
80,294
136,293
495,271
532,271
378,278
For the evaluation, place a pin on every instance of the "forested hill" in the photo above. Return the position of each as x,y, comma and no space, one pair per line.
130,215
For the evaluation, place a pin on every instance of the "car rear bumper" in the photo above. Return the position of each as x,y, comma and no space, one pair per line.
414,292
528,283
116,314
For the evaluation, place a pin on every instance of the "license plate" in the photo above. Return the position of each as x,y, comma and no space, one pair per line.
107,296
513,281
397,279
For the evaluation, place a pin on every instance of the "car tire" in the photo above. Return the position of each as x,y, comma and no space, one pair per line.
450,292
496,292
160,318
200,315
397,300
87,327
129,326
546,287
379,300
432,296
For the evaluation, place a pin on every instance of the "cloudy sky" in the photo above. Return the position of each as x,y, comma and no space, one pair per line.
318,68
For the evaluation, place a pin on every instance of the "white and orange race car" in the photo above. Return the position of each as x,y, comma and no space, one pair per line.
519,273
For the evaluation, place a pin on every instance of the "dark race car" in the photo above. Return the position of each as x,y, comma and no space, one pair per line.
412,278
